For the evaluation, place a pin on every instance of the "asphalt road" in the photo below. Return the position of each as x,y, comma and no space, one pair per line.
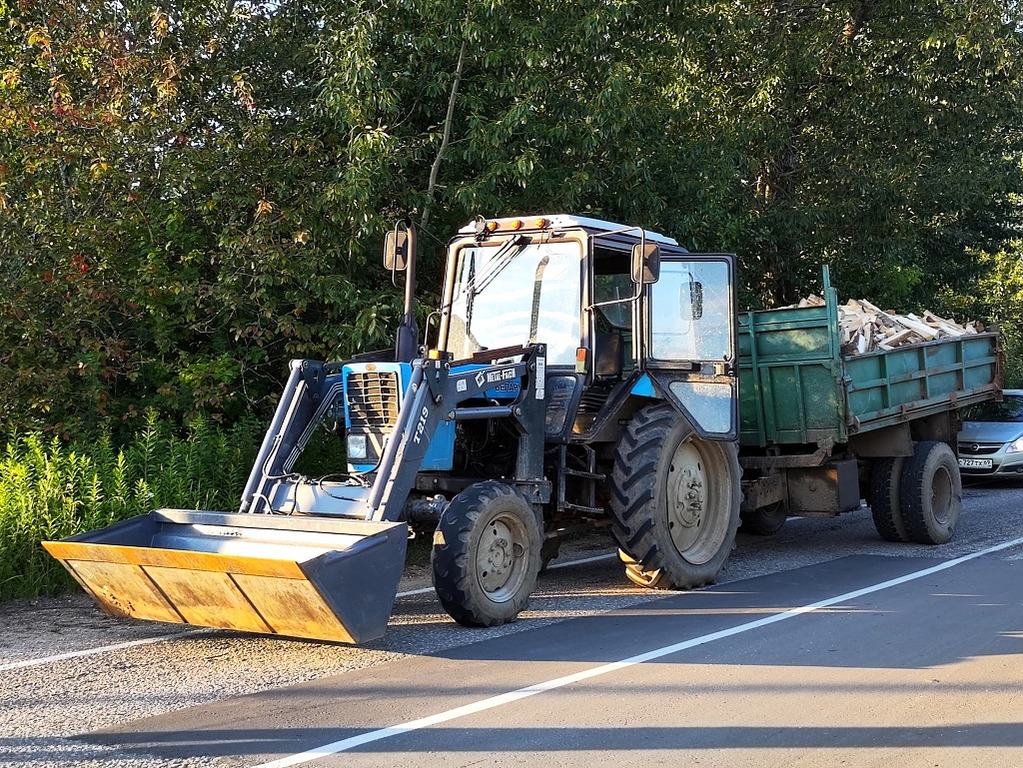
821,646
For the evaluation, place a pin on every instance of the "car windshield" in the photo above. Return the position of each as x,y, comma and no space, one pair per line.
1009,409
517,292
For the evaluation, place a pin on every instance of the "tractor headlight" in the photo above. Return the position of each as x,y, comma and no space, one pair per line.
357,447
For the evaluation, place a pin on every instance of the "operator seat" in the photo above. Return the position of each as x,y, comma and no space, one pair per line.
608,355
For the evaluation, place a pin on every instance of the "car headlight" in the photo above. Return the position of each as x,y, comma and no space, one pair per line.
1016,446
357,447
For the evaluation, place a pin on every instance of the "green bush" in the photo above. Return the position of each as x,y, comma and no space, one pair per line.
49,490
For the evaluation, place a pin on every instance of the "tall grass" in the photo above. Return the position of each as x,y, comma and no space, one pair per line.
49,490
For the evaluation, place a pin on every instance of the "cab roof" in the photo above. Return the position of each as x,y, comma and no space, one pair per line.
561,221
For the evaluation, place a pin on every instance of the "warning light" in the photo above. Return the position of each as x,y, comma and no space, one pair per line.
540,223
515,224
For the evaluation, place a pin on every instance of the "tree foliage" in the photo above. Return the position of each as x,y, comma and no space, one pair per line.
167,237
191,194
884,138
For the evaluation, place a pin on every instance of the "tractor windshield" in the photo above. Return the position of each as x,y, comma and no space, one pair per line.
517,292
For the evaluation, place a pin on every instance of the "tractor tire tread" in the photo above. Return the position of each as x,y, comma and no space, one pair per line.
452,571
633,480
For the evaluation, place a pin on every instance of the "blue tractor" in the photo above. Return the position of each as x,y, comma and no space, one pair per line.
577,373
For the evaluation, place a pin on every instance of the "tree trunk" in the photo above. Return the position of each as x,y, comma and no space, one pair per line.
431,190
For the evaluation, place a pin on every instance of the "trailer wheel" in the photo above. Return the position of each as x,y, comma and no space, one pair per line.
765,521
885,501
674,502
486,555
932,493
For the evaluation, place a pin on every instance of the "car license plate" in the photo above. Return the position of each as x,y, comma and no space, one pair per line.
975,463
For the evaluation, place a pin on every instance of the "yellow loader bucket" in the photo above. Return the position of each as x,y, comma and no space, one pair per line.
299,576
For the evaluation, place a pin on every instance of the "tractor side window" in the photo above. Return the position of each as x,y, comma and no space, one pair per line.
690,312
614,288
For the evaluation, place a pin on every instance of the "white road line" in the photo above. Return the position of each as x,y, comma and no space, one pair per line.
512,696
594,559
176,635
581,561
94,651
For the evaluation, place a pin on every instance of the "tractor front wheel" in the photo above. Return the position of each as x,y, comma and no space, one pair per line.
486,555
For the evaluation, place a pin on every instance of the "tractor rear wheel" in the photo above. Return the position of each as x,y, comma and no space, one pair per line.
674,502
486,555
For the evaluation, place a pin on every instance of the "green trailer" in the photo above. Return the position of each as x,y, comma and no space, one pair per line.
820,431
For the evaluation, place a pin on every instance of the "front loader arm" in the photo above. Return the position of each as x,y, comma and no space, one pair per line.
310,387
431,397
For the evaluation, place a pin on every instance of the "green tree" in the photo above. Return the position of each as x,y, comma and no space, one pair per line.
882,138
191,194
879,138
460,109
77,95
997,299
167,235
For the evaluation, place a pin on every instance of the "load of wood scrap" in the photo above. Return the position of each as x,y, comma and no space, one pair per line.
866,327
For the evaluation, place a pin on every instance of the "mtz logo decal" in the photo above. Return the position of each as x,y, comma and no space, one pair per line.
507,373
494,376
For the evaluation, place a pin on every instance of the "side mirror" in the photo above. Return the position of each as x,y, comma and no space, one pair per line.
399,249
646,263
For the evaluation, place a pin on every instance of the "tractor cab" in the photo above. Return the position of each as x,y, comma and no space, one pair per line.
610,303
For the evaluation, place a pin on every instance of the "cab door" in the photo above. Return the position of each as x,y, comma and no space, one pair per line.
690,342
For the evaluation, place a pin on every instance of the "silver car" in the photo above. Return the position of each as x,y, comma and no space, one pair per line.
991,441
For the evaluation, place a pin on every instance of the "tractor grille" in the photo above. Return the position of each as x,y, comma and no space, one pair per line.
373,400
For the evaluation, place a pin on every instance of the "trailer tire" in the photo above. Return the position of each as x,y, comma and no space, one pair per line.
669,540
931,493
765,521
885,498
486,555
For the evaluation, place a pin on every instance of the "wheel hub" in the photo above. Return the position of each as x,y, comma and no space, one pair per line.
498,556
687,497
